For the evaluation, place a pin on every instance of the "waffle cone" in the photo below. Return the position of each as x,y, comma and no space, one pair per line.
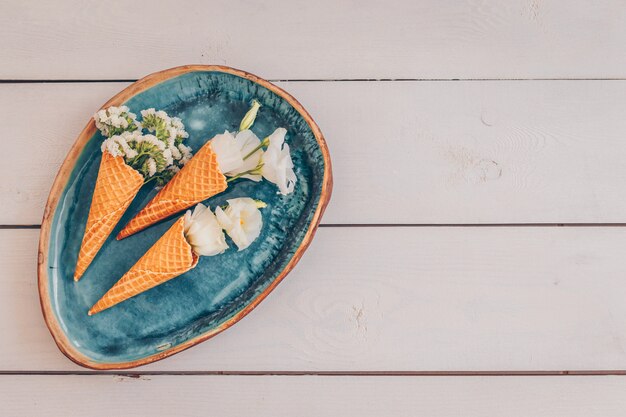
116,186
168,258
198,180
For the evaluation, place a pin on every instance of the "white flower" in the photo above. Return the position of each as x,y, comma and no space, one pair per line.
148,112
227,151
177,123
151,139
176,129
247,141
167,155
231,151
277,164
203,232
117,145
111,146
242,221
123,142
173,125
152,168
175,153
186,152
110,120
100,116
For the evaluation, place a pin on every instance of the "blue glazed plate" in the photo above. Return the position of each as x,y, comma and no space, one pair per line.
221,289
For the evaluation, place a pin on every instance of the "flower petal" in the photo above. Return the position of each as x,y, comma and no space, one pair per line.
242,220
247,142
203,232
227,151
277,164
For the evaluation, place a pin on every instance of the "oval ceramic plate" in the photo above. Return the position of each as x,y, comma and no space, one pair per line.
221,289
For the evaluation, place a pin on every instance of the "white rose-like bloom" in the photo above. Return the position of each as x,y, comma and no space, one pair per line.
227,151
247,141
203,232
277,163
242,221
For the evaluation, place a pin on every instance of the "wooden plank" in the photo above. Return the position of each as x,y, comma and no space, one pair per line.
323,39
403,152
277,396
393,299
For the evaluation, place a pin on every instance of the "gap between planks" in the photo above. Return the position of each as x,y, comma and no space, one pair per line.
322,80
138,374
408,225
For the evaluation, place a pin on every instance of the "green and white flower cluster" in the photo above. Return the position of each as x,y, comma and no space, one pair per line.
244,155
158,154
116,120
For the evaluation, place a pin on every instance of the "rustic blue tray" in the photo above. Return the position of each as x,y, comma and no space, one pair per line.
221,289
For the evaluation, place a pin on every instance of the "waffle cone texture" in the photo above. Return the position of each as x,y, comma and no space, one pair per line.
168,258
116,187
198,180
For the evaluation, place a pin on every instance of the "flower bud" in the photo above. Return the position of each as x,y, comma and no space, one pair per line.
248,119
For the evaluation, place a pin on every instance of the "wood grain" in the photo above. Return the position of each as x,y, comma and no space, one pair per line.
393,299
403,152
69,39
312,396
362,299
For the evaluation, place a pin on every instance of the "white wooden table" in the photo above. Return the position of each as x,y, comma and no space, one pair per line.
472,261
